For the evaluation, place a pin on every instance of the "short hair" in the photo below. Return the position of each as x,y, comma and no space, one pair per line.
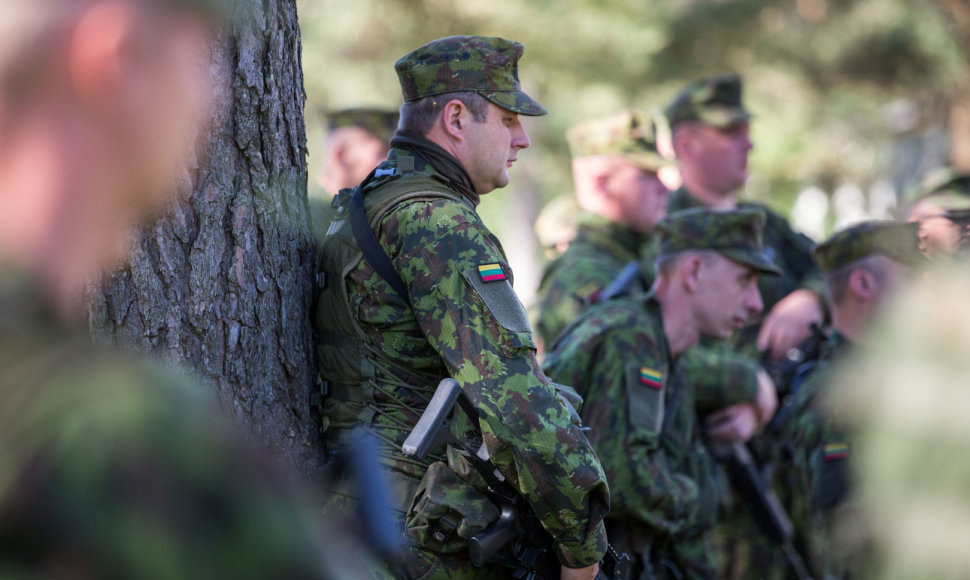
665,264
420,115
837,281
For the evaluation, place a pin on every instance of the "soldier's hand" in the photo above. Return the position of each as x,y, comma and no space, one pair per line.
789,323
767,402
734,424
580,573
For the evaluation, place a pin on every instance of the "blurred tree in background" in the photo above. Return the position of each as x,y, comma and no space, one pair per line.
856,98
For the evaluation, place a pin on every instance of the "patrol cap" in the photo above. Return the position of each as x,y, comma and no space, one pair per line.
895,240
382,123
484,65
712,100
946,190
735,234
630,135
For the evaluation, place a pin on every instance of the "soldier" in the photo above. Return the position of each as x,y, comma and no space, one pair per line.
864,265
709,126
109,467
943,215
418,289
615,164
623,356
357,142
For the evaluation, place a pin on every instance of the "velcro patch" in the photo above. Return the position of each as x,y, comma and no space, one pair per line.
499,297
492,273
651,378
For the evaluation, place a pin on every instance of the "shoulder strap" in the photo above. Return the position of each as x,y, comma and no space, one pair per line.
370,247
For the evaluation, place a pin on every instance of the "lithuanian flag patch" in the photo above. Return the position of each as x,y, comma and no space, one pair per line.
651,378
835,451
491,273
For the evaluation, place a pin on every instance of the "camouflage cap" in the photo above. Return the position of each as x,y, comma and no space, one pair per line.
484,65
382,123
946,189
736,234
630,135
895,240
712,100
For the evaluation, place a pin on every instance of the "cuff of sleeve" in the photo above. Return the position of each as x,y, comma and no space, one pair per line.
724,379
585,553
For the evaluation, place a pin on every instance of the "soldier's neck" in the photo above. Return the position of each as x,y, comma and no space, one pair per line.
679,325
709,197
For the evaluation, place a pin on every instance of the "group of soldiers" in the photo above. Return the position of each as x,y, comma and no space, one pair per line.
689,324
657,357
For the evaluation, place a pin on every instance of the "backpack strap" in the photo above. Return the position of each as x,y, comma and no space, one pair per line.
374,254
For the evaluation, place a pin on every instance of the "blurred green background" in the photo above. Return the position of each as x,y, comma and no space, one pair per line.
854,99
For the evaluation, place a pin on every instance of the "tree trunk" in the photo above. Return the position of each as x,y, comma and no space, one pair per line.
223,285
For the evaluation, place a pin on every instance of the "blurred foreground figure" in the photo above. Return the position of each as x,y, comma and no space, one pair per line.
110,468
906,394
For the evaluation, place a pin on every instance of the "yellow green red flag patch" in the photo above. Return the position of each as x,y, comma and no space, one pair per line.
491,273
835,451
651,378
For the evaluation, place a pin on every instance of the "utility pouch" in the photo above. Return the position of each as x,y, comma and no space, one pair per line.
447,511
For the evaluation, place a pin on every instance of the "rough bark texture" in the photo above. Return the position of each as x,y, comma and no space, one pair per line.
223,284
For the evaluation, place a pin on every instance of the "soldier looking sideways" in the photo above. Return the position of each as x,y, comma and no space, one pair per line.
624,357
418,289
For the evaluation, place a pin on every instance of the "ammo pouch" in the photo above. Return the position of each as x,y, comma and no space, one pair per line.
447,511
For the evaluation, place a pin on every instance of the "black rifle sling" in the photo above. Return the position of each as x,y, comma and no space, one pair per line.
374,254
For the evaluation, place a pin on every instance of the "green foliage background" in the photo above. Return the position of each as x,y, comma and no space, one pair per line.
819,73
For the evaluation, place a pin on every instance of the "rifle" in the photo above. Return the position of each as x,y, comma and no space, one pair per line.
765,506
518,535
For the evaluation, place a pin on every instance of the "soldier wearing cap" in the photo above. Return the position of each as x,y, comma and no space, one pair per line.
864,265
418,289
943,214
624,357
615,164
357,141
709,125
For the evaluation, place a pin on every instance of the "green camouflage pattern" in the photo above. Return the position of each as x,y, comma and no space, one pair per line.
484,65
630,135
663,500
943,181
381,123
743,552
112,468
736,235
813,477
714,100
455,327
596,255
891,239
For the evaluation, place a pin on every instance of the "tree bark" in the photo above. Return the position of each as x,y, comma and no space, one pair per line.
223,284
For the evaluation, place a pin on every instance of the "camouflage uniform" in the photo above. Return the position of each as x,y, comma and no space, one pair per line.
382,354
813,466
717,101
639,405
601,247
110,468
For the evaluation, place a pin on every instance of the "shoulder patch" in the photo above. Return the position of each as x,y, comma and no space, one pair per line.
492,285
647,406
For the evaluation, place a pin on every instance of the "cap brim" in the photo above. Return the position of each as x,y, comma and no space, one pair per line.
648,161
724,117
757,260
517,102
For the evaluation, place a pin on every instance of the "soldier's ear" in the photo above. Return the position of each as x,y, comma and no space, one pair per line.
690,273
863,284
453,119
